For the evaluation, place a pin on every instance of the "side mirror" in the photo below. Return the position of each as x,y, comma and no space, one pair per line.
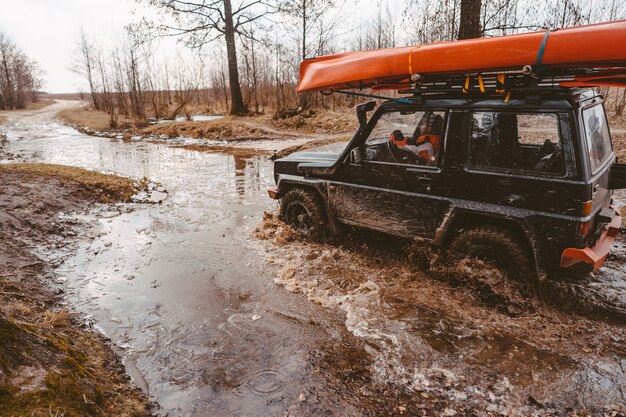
356,156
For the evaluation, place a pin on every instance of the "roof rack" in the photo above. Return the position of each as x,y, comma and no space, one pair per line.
511,84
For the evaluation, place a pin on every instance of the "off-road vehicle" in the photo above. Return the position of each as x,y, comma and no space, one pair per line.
524,183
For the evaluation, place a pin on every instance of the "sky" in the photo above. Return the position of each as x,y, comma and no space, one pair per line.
46,30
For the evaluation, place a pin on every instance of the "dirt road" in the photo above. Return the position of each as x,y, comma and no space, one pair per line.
214,318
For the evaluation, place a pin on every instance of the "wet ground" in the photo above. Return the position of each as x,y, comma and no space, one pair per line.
214,318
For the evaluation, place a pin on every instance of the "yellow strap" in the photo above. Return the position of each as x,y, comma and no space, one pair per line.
466,85
501,81
411,59
480,83
508,96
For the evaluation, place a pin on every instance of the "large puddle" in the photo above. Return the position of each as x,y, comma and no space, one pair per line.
192,300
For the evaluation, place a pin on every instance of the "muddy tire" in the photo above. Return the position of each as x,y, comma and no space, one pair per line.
495,246
303,210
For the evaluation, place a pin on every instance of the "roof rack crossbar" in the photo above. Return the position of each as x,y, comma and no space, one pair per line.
520,84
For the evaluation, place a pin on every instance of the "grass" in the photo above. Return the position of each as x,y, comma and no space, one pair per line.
109,188
232,128
319,121
50,365
40,104
228,128
92,119
77,385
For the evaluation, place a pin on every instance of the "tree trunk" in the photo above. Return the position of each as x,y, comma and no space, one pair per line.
233,71
470,19
304,99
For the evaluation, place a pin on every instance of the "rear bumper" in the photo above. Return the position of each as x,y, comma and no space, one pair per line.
273,192
592,258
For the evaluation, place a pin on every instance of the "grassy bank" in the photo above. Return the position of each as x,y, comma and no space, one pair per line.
229,128
89,119
50,363
104,188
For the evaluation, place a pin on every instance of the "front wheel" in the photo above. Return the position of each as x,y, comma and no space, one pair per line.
303,210
495,246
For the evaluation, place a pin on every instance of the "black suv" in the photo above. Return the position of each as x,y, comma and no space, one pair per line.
526,183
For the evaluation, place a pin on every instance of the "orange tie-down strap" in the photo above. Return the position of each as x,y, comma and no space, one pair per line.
597,81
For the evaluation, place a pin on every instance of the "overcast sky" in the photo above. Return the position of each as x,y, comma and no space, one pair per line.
47,29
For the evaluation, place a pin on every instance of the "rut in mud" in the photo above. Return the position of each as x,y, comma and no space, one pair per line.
185,291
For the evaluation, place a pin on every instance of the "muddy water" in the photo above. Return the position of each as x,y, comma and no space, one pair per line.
177,284
212,319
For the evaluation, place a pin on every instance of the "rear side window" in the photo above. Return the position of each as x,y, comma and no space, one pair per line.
598,137
518,141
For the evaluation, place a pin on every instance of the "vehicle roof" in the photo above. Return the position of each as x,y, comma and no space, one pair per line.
562,99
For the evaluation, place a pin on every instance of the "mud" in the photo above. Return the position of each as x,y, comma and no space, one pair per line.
50,364
217,309
474,341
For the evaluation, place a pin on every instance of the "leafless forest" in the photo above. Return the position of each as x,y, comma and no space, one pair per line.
20,76
243,56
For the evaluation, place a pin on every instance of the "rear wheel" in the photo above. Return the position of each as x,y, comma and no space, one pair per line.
495,246
303,210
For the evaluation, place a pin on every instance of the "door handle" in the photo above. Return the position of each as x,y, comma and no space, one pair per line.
424,180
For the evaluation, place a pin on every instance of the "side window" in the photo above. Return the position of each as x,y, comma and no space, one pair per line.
413,138
519,141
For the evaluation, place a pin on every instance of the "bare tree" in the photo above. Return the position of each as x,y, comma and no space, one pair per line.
20,76
84,54
201,22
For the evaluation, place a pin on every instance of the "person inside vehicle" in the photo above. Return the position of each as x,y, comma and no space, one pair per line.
425,142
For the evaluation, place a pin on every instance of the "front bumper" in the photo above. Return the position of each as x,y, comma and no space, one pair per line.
592,258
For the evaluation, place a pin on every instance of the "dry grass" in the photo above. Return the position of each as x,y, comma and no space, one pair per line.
230,128
92,119
319,121
2,119
234,128
109,188
50,364
39,104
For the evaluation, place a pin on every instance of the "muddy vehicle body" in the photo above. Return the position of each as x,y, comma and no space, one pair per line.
526,183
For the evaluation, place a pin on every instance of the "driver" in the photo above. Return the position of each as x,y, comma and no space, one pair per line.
426,140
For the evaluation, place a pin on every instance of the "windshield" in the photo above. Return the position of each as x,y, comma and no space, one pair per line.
598,137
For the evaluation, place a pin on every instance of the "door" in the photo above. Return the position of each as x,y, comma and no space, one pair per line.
395,188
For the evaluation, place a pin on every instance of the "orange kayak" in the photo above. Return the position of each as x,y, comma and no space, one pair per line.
593,46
